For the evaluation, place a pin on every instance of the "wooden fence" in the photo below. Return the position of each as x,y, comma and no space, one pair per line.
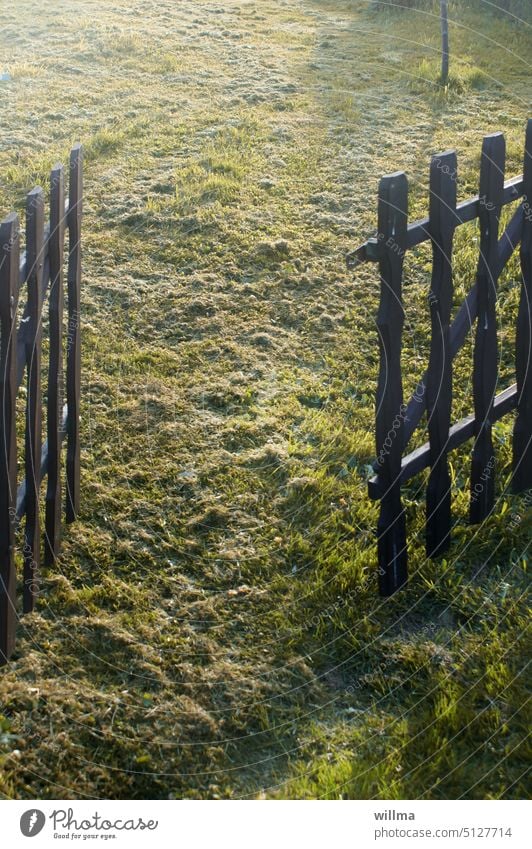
397,421
40,268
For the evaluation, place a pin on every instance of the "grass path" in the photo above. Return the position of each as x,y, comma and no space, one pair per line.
212,629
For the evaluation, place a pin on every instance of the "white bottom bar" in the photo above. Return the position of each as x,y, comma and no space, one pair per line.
265,825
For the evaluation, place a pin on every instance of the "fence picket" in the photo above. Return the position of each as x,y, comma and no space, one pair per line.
35,260
73,353
522,438
442,220
485,366
52,538
9,273
392,216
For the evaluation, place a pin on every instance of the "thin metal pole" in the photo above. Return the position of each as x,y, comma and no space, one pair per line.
444,42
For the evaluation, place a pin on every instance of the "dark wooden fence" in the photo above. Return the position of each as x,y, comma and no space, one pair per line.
40,268
397,421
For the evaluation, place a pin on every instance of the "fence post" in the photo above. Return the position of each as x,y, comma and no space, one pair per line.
522,439
442,218
73,332
485,353
392,217
9,272
52,540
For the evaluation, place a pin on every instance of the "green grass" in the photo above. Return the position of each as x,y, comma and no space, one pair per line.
212,628
464,76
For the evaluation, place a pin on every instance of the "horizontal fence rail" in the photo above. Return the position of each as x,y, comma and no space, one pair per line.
41,269
396,421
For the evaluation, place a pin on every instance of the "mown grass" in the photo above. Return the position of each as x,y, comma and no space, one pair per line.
212,628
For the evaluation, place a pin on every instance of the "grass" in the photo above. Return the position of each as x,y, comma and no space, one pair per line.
212,629
463,77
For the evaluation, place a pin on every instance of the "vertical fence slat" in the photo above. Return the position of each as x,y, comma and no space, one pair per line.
393,213
443,173
485,353
35,261
9,272
73,332
522,438
55,369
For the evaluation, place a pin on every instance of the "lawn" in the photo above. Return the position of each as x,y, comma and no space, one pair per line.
212,629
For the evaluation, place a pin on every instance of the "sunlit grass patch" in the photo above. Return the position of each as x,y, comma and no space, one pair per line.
103,143
218,173
126,43
462,77
345,106
26,70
